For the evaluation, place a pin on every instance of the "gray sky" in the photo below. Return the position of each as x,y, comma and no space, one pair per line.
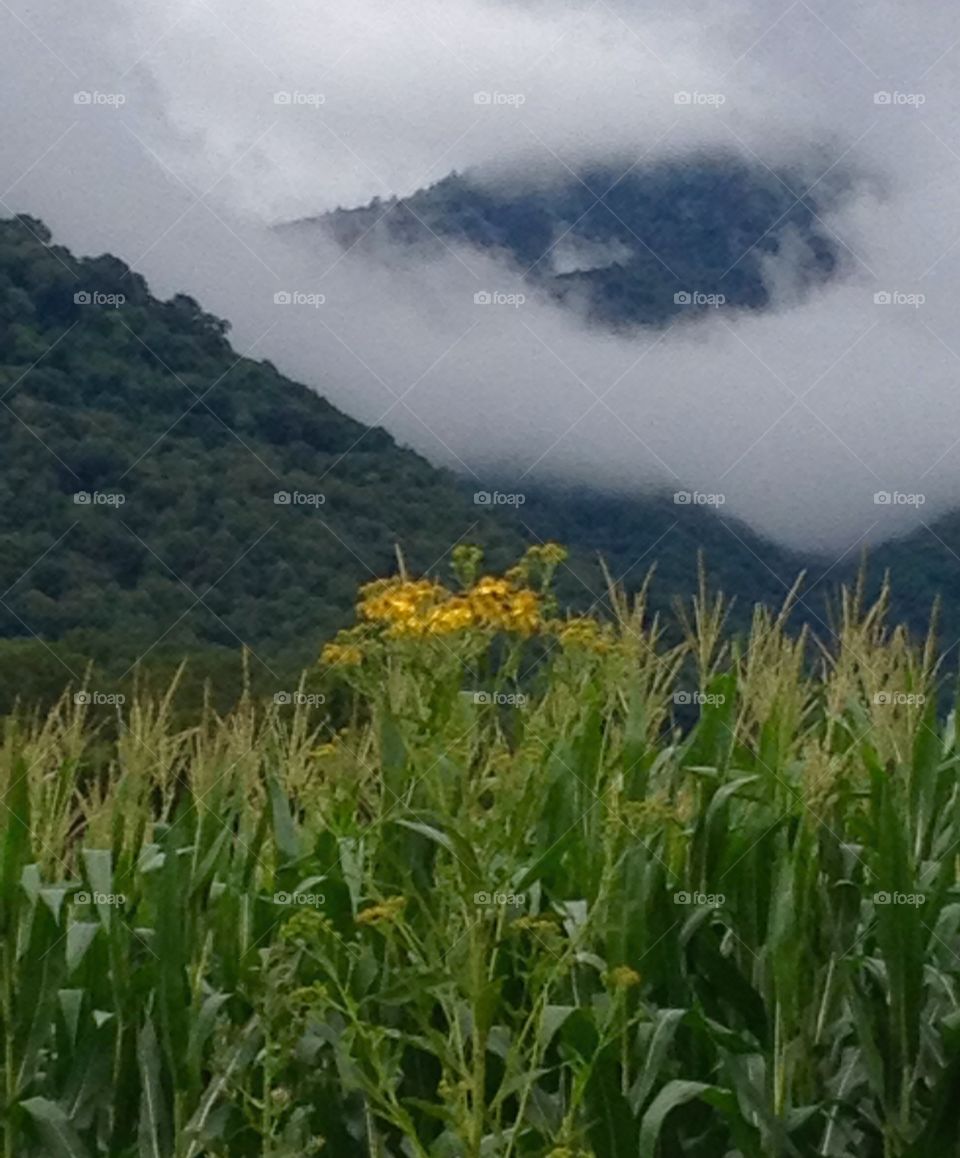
183,158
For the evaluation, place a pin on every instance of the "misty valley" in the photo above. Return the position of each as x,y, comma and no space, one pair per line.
480,580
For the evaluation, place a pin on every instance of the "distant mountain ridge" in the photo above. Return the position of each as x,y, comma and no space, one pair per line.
635,247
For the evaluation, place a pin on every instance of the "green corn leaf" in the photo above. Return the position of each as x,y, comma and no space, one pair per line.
53,1126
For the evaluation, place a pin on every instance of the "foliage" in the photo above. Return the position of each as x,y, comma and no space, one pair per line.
147,401
514,908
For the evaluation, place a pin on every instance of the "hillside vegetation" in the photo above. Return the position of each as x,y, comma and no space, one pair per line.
146,402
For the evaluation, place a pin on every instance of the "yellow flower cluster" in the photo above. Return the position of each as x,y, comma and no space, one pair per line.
345,654
421,607
623,977
384,913
400,603
584,632
518,603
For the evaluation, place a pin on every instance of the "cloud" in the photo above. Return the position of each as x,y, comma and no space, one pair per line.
235,116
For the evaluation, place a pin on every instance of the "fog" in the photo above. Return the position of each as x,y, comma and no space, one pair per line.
184,157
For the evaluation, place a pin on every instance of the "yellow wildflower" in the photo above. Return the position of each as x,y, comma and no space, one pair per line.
344,654
387,911
454,615
623,977
399,601
500,607
583,631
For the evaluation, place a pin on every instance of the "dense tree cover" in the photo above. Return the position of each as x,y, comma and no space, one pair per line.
149,402
628,243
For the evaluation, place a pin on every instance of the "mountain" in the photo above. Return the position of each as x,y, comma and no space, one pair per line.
144,471
635,247
162,498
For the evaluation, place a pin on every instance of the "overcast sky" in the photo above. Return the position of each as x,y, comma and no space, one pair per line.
184,156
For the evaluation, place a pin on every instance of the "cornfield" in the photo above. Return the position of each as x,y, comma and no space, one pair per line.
550,887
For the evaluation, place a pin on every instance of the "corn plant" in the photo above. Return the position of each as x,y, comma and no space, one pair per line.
559,887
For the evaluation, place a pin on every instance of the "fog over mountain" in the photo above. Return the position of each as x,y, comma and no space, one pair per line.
178,135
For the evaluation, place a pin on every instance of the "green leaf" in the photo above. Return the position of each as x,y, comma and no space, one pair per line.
668,1021
674,1094
55,1129
80,935
284,832
153,1128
